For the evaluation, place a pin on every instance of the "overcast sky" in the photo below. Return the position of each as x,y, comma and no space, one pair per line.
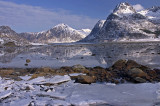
39,15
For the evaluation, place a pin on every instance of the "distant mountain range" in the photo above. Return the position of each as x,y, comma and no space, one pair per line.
123,24
61,33
126,24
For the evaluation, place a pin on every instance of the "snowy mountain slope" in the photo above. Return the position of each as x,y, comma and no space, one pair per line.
8,35
84,32
124,23
95,31
124,9
61,33
152,14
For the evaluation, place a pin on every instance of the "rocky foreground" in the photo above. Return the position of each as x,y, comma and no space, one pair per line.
121,71
76,86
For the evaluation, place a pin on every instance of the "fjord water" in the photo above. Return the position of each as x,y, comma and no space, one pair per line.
89,55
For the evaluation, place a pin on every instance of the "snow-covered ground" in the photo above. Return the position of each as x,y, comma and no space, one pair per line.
37,44
139,40
63,91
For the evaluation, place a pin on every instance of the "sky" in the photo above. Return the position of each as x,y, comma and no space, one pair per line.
39,15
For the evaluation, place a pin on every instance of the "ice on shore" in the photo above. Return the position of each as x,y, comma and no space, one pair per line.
64,91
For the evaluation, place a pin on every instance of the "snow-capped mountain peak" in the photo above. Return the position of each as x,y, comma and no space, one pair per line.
125,24
61,33
62,25
123,9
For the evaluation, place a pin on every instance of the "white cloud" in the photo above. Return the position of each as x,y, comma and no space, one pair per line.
34,18
138,7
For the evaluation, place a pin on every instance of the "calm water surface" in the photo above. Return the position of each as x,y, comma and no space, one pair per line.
89,55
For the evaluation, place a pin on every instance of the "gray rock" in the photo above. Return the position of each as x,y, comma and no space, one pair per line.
135,71
140,80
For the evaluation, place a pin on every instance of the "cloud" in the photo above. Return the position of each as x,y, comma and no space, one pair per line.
138,7
24,18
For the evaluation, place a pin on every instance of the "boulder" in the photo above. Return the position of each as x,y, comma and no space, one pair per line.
145,68
139,80
119,65
83,79
152,74
100,74
132,64
136,72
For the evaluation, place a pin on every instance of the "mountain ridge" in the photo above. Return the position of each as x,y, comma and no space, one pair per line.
61,33
9,35
125,24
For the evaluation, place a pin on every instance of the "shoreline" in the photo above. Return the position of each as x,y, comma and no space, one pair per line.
120,72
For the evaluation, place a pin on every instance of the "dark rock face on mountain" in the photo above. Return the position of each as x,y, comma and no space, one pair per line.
125,24
8,35
61,33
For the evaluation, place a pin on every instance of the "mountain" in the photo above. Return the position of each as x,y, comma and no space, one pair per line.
152,13
95,31
124,24
124,9
61,33
9,35
84,32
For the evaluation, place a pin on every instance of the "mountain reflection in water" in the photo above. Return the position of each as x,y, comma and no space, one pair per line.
89,55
